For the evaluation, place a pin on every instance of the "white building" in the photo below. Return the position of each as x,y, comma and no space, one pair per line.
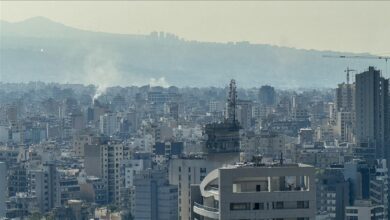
256,191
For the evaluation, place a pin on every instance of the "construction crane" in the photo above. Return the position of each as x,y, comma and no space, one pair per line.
348,70
385,58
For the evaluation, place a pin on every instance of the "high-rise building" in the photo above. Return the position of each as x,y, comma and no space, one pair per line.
344,126
244,113
345,97
3,188
17,179
103,161
332,192
222,147
379,187
256,191
185,171
224,137
267,95
79,142
372,108
154,197
108,124
43,183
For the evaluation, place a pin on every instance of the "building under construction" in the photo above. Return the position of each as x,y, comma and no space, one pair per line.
224,137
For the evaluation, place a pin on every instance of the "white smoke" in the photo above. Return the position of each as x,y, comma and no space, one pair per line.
159,82
100,68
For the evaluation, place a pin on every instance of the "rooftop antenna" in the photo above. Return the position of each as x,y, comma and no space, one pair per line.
232,102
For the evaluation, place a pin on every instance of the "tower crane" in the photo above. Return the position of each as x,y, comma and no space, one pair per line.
348,70
385,58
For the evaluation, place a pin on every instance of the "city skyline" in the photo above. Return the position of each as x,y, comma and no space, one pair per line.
197,110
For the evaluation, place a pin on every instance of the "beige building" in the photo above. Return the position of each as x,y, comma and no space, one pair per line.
256,191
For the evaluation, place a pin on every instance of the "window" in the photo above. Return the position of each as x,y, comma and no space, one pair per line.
239,206
302,204
277,205
258,188
258,206
352,211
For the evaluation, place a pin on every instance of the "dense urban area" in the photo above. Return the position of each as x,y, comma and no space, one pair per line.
78,152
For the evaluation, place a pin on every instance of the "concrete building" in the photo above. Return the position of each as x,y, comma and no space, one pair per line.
332,193
267,95
345,126
154,197
3,188
372,110
357,172
108,124
43,184
256,191
364,210
222,147
244,113
21,205
94,190
68,187
81,140
379,187
129,169
17,179
189,170
306,136
345,97
103,161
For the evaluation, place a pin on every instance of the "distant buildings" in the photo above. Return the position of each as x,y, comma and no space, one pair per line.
3,188
267,95
167,153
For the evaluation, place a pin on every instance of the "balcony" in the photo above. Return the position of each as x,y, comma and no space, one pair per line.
206,211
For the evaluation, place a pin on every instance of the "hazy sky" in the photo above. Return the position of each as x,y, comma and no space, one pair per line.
360,26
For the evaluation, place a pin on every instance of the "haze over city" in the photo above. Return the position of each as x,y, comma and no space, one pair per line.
359,26
194,110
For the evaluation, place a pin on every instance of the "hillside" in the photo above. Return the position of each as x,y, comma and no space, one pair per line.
40,49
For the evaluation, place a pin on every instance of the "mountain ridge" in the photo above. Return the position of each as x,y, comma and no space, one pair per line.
42,49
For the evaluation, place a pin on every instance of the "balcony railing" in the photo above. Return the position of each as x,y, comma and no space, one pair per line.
207,208
206,211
